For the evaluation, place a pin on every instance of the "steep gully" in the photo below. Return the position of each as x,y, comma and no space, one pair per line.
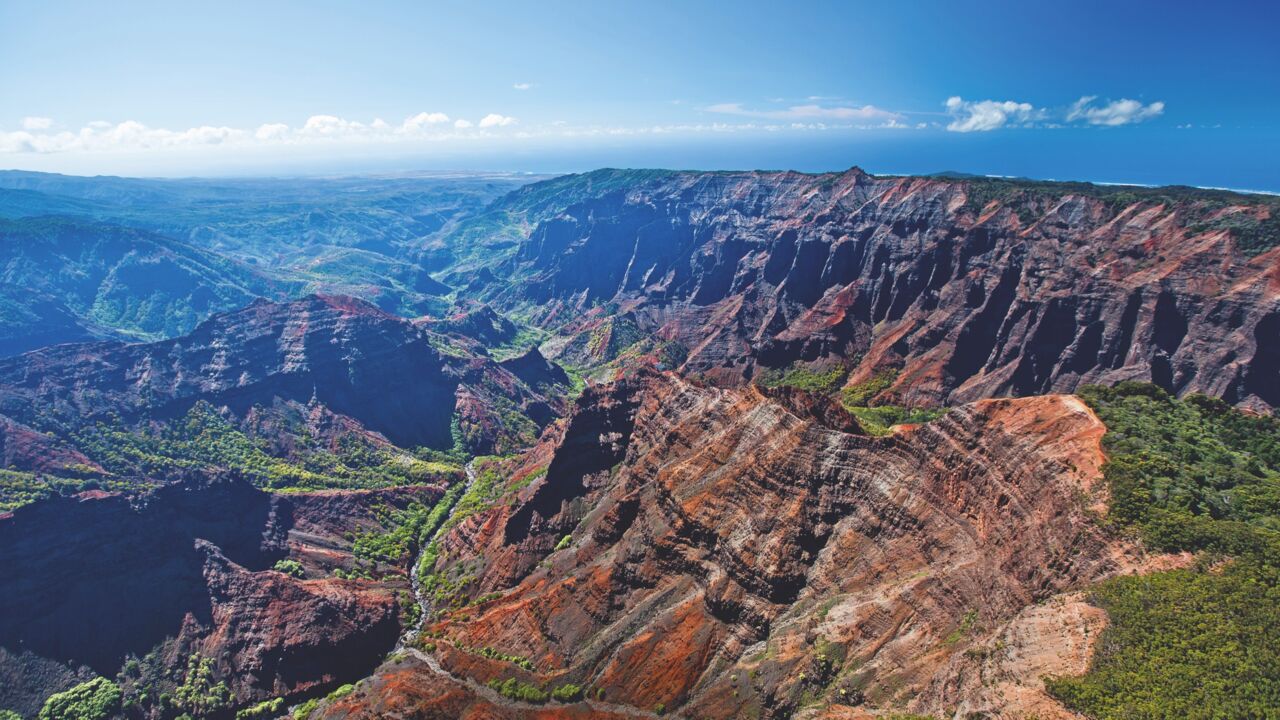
411,634
408,638
953,292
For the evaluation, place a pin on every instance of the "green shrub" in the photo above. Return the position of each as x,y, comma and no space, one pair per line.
340,692
198,694
93,700
303,711
567,693
518,690
861,394
290,567
262,711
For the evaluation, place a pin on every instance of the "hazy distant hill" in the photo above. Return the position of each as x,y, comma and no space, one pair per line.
150,257
136,282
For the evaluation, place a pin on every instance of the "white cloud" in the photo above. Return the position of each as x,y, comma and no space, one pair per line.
987,115
272,131
414,123
522,86
866,113
330,126
1116,112
462,124
37,123
496,120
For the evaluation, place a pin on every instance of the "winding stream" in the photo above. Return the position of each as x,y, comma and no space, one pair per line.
415,583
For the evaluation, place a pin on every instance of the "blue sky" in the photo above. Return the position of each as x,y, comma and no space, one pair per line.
1148,92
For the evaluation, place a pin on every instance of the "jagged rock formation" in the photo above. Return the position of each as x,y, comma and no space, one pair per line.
967,288
734,555
94,579
365,369
480,324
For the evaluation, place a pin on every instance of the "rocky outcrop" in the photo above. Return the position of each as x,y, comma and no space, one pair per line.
95,579
536,371
967,288
277,636
478,323
731,554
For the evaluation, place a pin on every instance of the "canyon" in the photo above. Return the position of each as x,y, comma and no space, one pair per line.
961,288
724,553
623,444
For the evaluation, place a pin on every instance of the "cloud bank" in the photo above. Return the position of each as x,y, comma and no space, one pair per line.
1116,112
986,115
44,135
866,113
38,136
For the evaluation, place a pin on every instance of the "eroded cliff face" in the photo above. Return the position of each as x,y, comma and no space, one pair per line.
729,554
963,294
99,578
339,364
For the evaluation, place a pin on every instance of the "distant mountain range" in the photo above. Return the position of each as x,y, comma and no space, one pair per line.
150,258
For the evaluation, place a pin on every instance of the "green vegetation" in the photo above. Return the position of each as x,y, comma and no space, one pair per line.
132,281
448,588
199,695
303,711
856,398
21,488
340,692
879,419
410,610
406,531
1252,235
290,567
1178,468
611,338
204,438
264,710
1191,474
9,715
565,542
1185,644
518,660
94,700
800,376
861,394
567,693
519,690
484,491
966,626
